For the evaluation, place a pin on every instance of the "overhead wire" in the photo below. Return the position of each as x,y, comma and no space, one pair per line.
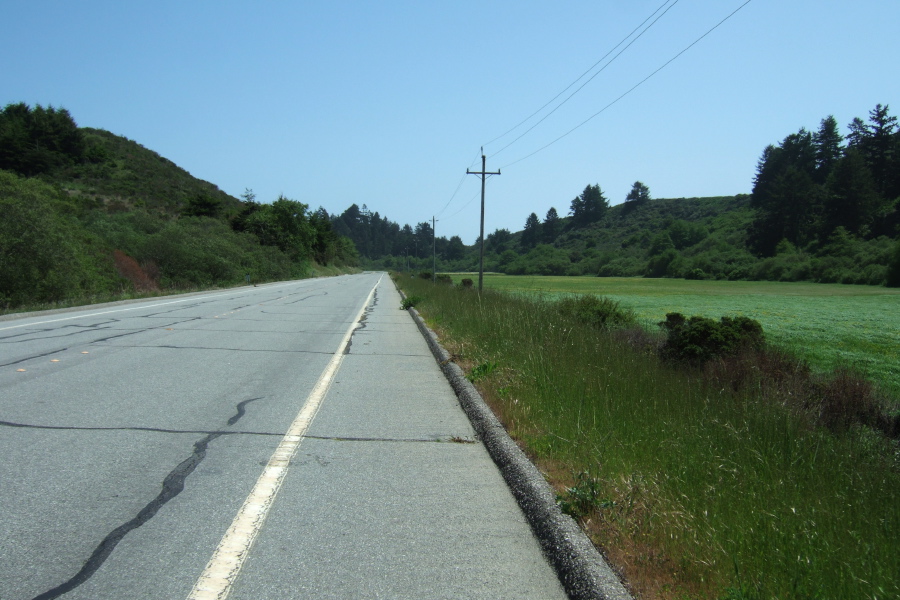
577,79
569,97
637,85
567,88
459,185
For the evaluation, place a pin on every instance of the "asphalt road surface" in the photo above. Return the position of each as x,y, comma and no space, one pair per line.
292,440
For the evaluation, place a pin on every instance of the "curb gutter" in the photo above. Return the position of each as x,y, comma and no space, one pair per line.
582,570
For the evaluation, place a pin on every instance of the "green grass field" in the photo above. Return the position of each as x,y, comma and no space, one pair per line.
827,324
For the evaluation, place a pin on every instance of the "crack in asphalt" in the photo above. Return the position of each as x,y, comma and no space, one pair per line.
362,321
307,297
170,347
440,440
14,425
172,485
21,360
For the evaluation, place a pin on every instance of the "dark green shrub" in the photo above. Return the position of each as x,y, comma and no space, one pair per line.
699,339
467,283
410,302
445,279
893,270
695,273
596,311
425,275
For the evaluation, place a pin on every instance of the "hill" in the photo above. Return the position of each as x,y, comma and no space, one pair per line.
89,215
124,175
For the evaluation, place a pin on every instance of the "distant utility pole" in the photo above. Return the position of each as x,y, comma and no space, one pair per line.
484,175
433,251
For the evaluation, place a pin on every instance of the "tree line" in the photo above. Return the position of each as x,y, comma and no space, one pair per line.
814,186
824,207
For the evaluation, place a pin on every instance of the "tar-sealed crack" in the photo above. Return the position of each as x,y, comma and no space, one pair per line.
32,357
362,321
82,329
172,485
436,440
307,298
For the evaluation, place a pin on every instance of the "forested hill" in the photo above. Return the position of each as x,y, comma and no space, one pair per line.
823,208
89,215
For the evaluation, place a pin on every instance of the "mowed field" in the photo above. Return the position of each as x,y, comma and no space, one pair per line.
826,324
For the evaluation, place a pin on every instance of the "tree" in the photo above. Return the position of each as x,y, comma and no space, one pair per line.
202,205
785,196
531,235
589,207
852,201
827,142
455,248
878,143
422,239
497,241
639,193
38,140
551,226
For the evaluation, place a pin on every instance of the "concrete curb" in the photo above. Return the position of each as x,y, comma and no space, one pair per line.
582,570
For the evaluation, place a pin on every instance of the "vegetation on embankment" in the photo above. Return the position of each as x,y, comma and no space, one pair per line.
90,216
827,325
744,477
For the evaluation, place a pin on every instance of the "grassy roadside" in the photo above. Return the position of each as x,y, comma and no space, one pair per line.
828,325
691,490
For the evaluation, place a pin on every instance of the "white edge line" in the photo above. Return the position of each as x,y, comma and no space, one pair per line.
223,568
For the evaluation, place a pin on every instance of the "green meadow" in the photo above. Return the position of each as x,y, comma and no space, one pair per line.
826,324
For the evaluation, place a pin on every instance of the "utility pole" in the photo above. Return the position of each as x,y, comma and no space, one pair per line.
433,251
484,175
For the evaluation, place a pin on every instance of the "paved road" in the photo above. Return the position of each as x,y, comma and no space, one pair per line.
144,449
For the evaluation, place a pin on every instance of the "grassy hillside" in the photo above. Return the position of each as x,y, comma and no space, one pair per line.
89,215
120,174
691,238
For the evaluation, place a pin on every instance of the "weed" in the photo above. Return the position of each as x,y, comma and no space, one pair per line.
481,371
410,302
582,498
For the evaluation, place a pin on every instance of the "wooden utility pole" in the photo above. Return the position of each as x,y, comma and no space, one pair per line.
484,175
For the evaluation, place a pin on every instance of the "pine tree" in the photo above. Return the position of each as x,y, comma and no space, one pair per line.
589,207
827,141
550,227
531,235
639,193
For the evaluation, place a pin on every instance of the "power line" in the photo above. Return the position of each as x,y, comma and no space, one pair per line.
459,185
637,85
464,206
513,128
569,97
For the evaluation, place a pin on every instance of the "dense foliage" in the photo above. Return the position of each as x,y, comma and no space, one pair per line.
810,187
89,214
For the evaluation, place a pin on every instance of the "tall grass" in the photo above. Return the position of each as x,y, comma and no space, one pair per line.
692,491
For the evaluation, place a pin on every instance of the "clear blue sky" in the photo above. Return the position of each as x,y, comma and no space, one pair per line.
387,103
